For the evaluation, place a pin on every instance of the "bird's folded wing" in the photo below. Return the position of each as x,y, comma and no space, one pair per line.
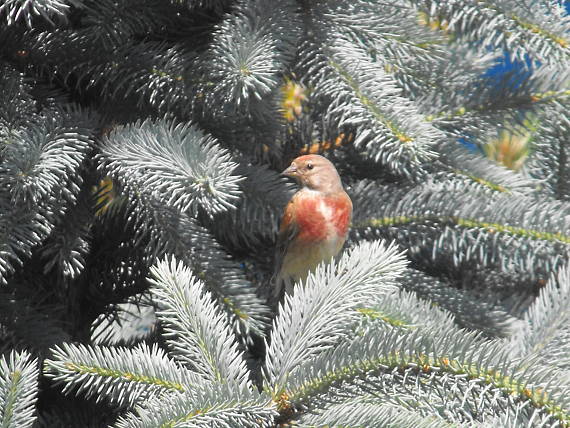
288,230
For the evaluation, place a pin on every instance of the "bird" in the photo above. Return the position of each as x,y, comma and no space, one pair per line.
314,225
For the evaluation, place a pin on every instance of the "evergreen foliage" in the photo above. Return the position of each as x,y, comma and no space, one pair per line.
140,149
18,389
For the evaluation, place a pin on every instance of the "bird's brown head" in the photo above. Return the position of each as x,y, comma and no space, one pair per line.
316,173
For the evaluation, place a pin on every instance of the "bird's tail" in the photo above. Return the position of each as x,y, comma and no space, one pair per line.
278,287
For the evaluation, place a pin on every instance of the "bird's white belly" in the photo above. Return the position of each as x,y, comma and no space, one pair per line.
299,263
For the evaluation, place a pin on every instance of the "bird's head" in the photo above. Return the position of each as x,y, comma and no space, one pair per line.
315,172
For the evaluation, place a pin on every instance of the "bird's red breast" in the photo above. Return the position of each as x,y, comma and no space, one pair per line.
316,217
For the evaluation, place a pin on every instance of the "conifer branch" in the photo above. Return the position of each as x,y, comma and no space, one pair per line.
458,356
195,328
18,390
546,336
523,27
373,415
321,310
490,230
39,164
167,231
68,245
122,376
52,11
174,163
254,223
388,126
469,310
216,406
21,229
249,49
484,171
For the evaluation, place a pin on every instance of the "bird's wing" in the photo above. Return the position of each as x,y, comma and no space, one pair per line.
288,230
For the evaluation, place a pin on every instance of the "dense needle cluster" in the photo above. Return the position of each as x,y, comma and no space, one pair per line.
140,148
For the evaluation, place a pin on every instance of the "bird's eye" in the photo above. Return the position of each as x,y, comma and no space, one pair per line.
310,166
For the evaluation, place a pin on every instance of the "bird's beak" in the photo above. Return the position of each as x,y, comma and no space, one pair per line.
291,171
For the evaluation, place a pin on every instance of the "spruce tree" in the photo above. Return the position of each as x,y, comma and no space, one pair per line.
140,148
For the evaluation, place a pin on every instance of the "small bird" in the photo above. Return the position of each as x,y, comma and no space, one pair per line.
314,225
